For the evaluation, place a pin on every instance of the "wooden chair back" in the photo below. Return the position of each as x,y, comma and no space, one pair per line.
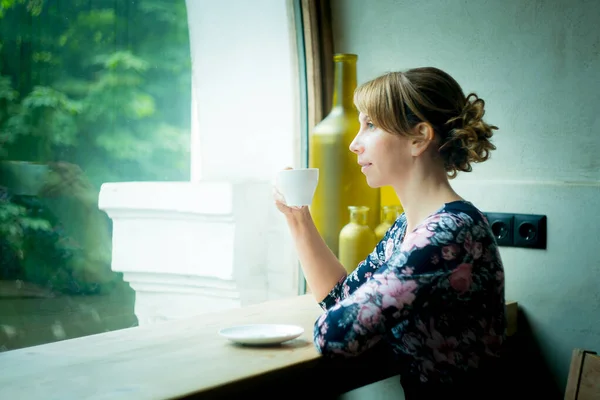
583,382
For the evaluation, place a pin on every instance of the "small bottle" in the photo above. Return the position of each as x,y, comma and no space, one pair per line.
389,215
357,239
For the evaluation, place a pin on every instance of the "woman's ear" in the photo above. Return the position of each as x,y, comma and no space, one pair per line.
424,135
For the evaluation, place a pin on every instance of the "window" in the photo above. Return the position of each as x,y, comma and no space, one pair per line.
138,141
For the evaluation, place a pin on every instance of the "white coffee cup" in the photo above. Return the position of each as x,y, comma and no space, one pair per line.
298,185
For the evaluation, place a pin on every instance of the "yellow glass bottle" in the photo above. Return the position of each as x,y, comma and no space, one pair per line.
389,215
357,239
341,183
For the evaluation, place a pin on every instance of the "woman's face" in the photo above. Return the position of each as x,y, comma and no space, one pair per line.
385,157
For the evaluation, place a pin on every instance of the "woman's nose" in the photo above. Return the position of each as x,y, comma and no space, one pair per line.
355,146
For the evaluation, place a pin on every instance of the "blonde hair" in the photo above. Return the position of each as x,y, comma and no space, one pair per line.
397,101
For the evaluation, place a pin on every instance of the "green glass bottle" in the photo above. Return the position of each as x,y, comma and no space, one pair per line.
357,239
341,183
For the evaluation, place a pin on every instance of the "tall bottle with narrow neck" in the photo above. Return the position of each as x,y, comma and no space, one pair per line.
341,182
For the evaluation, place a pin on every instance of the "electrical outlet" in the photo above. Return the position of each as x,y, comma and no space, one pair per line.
502,225
530,231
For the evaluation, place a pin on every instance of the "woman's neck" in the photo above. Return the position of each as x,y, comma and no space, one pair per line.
422,194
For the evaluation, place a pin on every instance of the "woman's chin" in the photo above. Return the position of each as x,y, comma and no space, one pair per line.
373,183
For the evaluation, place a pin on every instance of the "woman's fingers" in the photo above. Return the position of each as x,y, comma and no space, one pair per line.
278,196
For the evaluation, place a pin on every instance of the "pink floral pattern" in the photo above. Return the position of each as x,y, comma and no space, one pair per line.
435,295
461,278
389,249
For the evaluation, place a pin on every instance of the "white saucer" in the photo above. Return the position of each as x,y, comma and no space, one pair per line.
261,333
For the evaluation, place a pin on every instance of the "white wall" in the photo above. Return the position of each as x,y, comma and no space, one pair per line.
537,65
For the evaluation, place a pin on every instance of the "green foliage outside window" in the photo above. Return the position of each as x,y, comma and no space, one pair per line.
91,91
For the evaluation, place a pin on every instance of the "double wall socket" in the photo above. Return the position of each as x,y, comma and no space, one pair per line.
518,230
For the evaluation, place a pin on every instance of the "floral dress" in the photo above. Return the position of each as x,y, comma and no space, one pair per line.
435,295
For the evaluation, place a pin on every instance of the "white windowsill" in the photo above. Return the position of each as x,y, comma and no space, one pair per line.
189,248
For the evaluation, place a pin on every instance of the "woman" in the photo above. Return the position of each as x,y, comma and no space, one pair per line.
433,288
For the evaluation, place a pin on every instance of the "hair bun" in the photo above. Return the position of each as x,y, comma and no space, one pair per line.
468,140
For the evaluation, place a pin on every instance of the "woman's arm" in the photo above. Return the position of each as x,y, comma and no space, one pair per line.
322,269
365,269
361,320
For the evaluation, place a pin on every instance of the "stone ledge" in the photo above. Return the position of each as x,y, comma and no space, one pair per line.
182,284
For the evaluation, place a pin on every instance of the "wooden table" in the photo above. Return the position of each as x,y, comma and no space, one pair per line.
185,359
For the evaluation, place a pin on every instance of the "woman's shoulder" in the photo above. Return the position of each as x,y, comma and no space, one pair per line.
456,232
462,223
454,222
461,206
462,210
